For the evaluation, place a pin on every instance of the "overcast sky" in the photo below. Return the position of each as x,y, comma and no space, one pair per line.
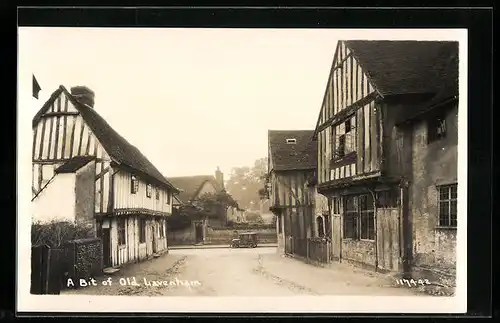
189,99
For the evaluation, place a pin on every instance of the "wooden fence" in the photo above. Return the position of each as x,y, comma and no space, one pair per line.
46,270
319,250
312,249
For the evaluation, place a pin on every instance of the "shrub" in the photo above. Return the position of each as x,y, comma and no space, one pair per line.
179,220
56,233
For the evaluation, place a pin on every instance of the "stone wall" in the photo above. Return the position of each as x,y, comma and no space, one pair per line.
182,237
224,236
433,164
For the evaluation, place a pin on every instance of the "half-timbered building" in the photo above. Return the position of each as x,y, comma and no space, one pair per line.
390,183
192,188
84,171
291,163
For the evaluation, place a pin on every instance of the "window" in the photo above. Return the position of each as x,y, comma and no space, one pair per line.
169,197
336,205
359,217
436,128
351,218
344,138
448,206
142,230
291,141
341,147
134,187
149,189
388,198
157,193
347,126
321,229
121,231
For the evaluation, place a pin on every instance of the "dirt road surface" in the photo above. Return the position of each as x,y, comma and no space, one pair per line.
238,272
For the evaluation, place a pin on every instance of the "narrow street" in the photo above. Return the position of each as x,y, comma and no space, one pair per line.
239,272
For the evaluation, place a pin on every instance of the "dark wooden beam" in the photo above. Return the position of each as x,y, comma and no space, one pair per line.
59,160
60,114
56,144
347,112
42,139
72,138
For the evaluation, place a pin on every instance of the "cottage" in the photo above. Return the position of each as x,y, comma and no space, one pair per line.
387,153
84,171
292,161
193,187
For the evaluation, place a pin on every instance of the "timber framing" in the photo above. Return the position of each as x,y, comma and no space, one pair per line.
347,112
138,211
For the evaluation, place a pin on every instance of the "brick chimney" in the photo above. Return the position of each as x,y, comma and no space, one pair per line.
219,177
84,95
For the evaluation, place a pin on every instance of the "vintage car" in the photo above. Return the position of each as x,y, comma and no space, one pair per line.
245,239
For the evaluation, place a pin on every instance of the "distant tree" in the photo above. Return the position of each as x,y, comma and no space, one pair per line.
254,217
245,182
215,204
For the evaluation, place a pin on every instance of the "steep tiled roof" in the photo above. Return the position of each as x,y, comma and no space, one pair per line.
404,67
115,145
447,89
300,155
189,186
74,164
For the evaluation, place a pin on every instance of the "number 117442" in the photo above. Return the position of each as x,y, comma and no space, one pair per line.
412,282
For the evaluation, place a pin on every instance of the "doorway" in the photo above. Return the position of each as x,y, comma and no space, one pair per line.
106,247
154,228
198,232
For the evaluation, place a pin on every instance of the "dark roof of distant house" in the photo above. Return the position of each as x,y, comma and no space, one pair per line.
297,156
73,164
189,186
405,67
115,145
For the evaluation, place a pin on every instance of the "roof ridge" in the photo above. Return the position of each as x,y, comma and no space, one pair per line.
116,145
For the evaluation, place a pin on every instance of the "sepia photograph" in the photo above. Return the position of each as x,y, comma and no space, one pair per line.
245,169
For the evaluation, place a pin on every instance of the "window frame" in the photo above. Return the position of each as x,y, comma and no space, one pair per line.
149,190
134,184
450,200
344,144
434,123
356,216
157,193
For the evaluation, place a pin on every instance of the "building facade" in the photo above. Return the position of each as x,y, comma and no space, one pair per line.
108,183
390,184
292,162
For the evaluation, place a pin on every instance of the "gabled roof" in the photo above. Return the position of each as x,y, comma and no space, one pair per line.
189,186
74,164
300,155
403,67
118,148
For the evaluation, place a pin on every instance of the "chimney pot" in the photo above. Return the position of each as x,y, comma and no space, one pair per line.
84,95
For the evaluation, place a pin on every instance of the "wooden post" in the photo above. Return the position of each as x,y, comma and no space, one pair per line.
307,249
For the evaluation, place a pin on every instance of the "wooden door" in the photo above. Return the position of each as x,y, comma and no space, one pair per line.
199,232
106,247
154,228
